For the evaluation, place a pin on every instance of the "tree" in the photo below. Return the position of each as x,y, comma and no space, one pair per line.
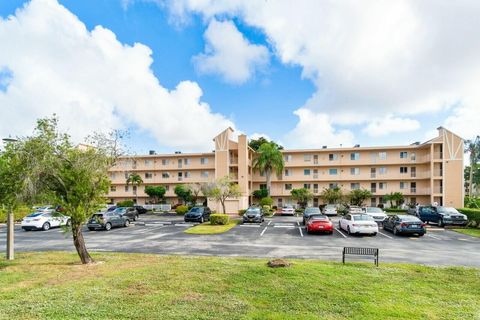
331,195
183,193
475,179
155,192
302,196
135,180
395,199
256,143
221,190
195,190
260,194
269,160
358,196
473,147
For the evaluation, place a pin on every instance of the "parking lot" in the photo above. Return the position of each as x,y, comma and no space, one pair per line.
276,237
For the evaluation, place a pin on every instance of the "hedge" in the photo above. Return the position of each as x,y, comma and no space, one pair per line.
18,214
181,209
472,214
126,203
395,210
219,219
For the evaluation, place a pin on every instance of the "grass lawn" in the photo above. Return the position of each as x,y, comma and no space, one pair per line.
470,231
52,285
207,228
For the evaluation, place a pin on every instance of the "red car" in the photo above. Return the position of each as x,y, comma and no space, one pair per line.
319,223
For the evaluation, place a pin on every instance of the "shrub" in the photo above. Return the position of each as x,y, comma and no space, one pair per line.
181,209
18,214
472,214
242,212
395,210
298,210
267,201
219,219
126,203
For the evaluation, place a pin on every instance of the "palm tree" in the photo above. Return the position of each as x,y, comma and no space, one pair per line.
135,180
269,160
473,147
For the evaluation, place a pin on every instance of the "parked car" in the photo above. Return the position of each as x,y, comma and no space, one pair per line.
330,210
404,224
107,220
130,212
198,214
45,209
140,209
441,215
319,223
308,212
254,214
358,224
288,210
44,221
112,208
376,213
354,209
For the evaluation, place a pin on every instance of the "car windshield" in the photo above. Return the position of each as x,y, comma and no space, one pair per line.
446,210
120,209
373,210
288,207
362,217
196,210
97,215
409,219
312,210
35,214
253,211
426,210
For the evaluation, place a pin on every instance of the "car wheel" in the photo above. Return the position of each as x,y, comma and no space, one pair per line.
348,230
91,229
108,226
127,223
374,234
420,234
440,223
202,220
395,231
46,226
26,229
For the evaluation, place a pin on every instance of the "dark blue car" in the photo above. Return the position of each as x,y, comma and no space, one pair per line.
198,214
441,215
404,224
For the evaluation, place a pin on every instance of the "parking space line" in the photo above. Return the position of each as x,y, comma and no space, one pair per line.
300,229
261,234
269,222
384,235
341,233
250,225
429,235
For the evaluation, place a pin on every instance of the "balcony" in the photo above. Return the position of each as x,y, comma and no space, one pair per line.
438,173
438,189
437,156
373,175
373,190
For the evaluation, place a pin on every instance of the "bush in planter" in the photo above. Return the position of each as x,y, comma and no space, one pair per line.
472,214
126,203
267,201
181,209
219,219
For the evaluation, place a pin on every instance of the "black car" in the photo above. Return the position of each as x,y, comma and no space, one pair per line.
107,220
198,214
440,215
254,214
129,212
140,209
404,224
310,211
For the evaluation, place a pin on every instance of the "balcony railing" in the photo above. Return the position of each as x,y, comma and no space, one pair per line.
373,190
438,155
438,172
373,175
437,189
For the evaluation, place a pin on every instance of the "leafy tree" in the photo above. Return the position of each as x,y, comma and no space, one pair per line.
473,147
302,196
331,195
155,192
221,190
135,180
475,178
395,198
256,143
358,196
260,194
195,190
266,201
183,193
269,160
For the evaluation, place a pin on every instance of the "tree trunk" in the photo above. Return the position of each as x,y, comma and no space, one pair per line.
79,244
268,175
470,178
223,206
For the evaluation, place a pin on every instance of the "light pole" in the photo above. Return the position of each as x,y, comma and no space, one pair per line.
10,221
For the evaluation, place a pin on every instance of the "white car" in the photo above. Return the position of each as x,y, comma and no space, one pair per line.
44,221
376,213
358,224
45,209
288,209
330,210
355,209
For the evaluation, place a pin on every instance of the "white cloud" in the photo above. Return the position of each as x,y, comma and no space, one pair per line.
255,136
229,54
390,124
371,57
315,130
93,82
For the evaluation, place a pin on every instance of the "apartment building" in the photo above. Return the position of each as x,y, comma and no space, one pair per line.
424,172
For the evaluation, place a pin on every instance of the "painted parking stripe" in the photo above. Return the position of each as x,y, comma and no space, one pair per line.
340,233
287,227
251,225
429,235
261,234
301,233
384,235
184,224
269,222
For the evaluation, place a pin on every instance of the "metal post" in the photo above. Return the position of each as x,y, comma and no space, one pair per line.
10,231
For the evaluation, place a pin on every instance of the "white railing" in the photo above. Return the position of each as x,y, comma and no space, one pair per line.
158,207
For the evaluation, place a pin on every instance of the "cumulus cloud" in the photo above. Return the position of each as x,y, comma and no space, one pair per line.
402,57
390,124
93,82
229,54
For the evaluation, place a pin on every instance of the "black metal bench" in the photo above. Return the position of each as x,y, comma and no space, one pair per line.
360,252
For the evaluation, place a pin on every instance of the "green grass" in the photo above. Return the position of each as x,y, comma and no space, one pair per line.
207,228
469,231
52,285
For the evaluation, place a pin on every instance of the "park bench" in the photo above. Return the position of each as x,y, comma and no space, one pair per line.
360,252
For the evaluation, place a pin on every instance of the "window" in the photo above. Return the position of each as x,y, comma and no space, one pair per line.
126,175
413,187
332,185
315,188
315,173
113,188
165,162
148,162
306,185
287,158
403,170
332,156
165,175
126,188
263,186
354,156
382,185
167,187
403,185
373,202
373,187
180,176
186,161
203,160
382,155
204,174
134,189
306,172
288,186
413,156
382,170
355,171
307,157
288,173
332,172
355,186
148,175
403,154
315,159
113,175
187,174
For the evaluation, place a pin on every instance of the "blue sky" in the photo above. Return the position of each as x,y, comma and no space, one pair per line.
348,86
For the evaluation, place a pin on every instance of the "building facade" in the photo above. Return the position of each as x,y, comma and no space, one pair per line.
425,173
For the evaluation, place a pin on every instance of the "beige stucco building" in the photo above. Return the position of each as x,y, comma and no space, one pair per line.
424,172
